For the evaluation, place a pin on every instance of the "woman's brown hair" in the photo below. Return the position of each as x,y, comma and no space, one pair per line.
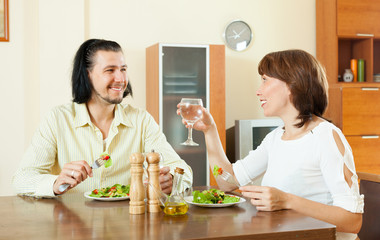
305,77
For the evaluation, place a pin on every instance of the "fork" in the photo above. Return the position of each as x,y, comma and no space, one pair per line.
97,164
226,176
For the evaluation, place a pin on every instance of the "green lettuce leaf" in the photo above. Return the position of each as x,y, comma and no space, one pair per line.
108,163
217,171
213,196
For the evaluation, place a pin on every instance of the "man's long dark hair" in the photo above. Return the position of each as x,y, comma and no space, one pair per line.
84,62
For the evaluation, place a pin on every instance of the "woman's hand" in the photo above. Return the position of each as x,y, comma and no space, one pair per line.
266,198
72,173
203,124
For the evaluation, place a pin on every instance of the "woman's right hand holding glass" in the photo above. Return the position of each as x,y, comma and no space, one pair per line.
203,124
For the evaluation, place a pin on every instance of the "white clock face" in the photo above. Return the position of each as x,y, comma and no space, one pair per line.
238,35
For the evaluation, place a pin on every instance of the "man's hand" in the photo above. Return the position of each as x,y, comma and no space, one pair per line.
72,173
166,180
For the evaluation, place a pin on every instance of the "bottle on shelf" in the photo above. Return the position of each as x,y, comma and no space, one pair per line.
361,69
354,69
348,76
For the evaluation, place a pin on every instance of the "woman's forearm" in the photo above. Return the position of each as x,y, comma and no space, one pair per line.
344,220
217,156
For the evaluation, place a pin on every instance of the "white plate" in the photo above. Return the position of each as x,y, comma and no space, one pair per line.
87,195
189,199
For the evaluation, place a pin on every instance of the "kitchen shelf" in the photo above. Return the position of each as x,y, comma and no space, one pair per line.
349,29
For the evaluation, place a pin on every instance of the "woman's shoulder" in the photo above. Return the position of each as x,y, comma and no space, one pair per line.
331,136
325,127
274,135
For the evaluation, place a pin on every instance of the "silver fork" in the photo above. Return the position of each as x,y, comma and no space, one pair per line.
97,164
226,176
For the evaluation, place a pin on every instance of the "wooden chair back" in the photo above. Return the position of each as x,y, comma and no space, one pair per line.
370,187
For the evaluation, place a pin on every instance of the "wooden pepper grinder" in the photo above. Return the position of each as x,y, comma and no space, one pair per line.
137,190
153,160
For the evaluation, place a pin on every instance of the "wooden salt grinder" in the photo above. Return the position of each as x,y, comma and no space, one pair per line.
153,160
137,190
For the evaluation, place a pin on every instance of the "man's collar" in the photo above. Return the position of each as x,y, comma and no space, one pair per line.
121,117
82,117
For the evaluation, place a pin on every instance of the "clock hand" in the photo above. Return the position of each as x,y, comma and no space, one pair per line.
232,36
241,32
236,36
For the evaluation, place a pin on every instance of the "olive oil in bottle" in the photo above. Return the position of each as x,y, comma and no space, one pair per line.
175,208
176,205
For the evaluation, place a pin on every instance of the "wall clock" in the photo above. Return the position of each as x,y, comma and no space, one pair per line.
238,35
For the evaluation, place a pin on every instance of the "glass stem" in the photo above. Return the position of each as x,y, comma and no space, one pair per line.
190,132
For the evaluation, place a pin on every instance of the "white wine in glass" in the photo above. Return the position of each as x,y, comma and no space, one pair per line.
191,111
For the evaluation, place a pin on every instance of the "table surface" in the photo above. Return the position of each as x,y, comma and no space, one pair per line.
72,216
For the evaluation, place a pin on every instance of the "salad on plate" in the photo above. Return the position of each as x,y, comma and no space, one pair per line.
115,191
214,196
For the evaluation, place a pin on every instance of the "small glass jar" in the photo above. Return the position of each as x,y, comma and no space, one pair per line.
175,204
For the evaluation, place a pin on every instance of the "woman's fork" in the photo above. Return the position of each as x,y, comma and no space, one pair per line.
226,176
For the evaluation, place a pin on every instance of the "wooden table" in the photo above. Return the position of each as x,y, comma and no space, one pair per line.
72,216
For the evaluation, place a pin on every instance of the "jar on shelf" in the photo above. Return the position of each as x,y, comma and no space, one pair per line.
348,76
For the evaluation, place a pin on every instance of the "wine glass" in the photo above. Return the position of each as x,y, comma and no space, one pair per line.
191,111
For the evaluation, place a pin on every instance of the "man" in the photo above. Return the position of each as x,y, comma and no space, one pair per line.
72,136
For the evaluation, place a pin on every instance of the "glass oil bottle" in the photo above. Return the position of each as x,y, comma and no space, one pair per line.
175,204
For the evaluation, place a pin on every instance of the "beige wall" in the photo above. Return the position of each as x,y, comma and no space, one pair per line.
44,35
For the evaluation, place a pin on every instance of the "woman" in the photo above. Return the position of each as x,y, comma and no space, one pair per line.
308,163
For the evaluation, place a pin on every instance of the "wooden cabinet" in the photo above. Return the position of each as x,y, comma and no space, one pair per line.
350,29
361,125
358,17
366,152
361,110
339,40
175,71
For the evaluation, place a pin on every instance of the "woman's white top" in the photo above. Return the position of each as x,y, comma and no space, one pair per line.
310,167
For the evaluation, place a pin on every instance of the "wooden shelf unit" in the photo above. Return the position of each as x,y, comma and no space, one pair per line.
350,29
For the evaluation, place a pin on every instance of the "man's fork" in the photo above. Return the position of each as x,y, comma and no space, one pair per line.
97,164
